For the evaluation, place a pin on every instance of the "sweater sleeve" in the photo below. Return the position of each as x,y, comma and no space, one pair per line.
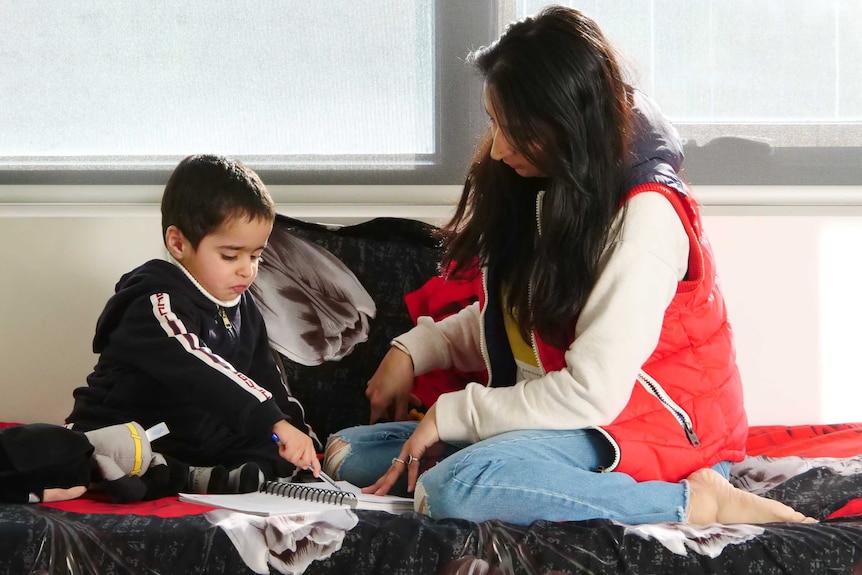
452,342
615,334
159,336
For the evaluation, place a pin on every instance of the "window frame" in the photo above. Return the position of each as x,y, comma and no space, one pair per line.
461,27
747,162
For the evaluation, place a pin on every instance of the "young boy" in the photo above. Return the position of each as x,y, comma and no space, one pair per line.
181,341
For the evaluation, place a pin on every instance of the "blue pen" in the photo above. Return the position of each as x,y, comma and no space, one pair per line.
321,475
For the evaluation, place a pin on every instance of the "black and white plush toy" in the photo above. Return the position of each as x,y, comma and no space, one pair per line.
45,462
126,467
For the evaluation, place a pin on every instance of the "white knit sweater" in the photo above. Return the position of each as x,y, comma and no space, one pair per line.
615,334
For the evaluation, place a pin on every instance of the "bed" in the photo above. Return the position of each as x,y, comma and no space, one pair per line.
89,535
330,343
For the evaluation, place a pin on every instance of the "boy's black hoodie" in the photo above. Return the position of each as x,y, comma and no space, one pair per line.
169,353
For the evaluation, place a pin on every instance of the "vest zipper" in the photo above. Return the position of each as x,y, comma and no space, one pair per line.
533,343
539,197
614,446
652,386
483,345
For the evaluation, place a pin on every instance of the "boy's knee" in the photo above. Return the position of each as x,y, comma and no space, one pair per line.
333,456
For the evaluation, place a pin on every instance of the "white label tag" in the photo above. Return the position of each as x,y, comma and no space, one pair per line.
157,431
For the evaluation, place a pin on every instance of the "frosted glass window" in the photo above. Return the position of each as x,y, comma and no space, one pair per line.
769,74
316,83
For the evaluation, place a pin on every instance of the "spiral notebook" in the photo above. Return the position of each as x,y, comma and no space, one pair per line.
282,498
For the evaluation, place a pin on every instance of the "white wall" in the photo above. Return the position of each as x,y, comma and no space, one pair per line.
791,279
767,267
790,274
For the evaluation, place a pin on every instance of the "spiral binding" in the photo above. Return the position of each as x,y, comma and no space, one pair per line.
309,493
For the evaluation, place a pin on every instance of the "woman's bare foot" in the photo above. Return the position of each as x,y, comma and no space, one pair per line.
714,500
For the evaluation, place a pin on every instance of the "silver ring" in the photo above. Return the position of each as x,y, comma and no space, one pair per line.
396,460
411,459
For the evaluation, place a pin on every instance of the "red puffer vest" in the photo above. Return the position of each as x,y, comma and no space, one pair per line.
686,410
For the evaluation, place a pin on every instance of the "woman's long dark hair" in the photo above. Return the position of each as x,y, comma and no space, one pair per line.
564,105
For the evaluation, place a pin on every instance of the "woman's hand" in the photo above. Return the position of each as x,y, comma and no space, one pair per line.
296,447
389,388
423,442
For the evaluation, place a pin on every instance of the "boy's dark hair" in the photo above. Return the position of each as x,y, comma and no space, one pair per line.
206,190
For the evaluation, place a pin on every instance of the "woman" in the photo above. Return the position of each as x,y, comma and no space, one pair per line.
613,390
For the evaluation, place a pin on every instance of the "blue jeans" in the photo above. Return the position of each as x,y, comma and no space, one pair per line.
518,477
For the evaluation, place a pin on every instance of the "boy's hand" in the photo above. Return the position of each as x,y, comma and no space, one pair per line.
296,447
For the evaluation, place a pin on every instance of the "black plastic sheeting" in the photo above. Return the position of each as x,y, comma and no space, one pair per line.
36,539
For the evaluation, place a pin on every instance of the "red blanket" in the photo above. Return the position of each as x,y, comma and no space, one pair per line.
164,507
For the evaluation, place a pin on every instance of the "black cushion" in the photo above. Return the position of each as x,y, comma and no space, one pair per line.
389,257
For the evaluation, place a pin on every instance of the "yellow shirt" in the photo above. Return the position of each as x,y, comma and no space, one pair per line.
525,355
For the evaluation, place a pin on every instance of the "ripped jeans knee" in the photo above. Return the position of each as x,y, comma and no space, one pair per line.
362,454
334,454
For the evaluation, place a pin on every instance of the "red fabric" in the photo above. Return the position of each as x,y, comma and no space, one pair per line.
164,507
440,298
854,507
836,440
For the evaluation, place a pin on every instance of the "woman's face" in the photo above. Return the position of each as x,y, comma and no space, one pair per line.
502,149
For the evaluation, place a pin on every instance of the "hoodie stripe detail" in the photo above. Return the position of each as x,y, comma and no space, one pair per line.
173,327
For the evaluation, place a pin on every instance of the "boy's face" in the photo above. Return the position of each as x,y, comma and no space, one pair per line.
225,262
